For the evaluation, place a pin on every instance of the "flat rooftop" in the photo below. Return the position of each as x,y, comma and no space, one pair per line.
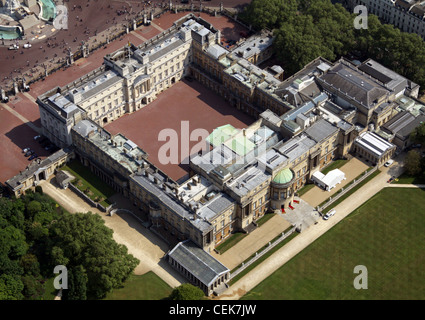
118,147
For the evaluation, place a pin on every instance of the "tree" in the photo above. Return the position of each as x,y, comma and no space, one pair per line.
187,291
12,242
84,240
412,163
39,189
418,135
33,208
30,264
11,287
77,284
269,13
33,287
299,42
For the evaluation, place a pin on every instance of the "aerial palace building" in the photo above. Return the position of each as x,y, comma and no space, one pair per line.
324,112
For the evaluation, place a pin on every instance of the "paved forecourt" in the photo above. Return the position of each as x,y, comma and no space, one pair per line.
182,108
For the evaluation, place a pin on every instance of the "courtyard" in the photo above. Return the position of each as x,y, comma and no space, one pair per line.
183,108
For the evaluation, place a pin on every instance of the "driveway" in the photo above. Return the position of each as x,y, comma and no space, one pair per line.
141,243
252,242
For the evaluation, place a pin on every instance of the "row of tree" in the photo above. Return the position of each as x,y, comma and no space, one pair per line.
414,163
306,29
36,235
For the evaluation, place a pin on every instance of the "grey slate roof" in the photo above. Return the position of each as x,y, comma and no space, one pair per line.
84,127
219,204
403,124
200,263
350,82
320,130
389,78
297,146
15,182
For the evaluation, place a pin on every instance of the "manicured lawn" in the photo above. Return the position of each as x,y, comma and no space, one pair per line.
406,179
145,287
50,291
88,180
386,235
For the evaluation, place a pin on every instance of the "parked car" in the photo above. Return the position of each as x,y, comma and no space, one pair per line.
416,146
28,153
32,157
25,150
37,137
329,214
48,147
389,163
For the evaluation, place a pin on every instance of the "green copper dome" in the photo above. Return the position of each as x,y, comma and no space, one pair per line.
284,176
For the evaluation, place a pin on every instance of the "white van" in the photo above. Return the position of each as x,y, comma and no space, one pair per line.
329,214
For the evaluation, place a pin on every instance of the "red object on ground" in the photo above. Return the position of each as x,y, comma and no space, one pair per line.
283,210
292,208
296,201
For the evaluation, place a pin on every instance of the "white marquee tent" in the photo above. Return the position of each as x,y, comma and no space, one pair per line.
330,180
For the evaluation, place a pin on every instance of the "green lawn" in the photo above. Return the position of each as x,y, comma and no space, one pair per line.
87,179
406,179
145,287
50,291
386,234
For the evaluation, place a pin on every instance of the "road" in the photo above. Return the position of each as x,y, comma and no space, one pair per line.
306,237
140,242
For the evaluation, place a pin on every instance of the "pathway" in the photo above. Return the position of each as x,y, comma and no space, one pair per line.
394,185
141,243
252,242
